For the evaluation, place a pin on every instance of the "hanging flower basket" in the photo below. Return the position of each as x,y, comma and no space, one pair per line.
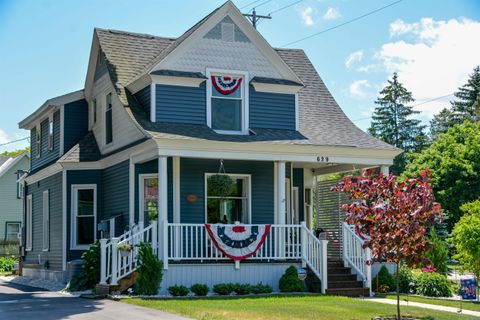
124,249
220,185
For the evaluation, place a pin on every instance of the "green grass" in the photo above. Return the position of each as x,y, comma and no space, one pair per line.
467,305
279,308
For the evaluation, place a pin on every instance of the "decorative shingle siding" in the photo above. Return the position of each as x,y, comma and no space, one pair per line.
101,67
298,182
143,96
192,181
46,156
181,104
272,110
76,123
54,255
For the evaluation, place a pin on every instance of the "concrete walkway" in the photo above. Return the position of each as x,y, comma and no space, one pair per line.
426,306
24,302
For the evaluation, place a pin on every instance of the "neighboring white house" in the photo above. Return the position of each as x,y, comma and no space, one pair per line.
11,210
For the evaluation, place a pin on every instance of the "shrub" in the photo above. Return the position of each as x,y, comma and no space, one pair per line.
223,289
384,279
6,264
261,288
242,289
91,265
432,284
438,253
199,289
78,283
407,281
289,281
150,270
178,291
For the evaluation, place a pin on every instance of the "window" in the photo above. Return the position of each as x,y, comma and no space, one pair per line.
84,201
19,184
94,111
108,120
234,207
28,224
46,220
148,197
226,105
50,135
12,229
38,141
228,32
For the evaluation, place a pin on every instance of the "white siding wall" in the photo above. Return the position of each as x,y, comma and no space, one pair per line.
124,130
11,208
211,274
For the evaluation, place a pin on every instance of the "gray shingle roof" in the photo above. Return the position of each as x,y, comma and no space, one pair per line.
322,121
84,151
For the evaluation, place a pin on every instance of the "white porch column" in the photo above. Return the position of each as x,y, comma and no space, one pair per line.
176,189
162,206
131,191
385,170
281,197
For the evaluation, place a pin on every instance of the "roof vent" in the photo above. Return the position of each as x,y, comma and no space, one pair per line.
228,32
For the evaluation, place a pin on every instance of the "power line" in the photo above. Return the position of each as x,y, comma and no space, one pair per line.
259,5
284,7
344,23
13,141
248,5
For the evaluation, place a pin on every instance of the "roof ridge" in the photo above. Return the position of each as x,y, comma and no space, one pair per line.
135,34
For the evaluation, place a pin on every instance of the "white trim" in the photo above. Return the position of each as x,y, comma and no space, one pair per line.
73,233
275,88
162,189
64,220
297,113
281,198
141,209
29,223
10,163
176,189
131,192
148,79
45,221
275,193
245,99
234,175
152,102
62,129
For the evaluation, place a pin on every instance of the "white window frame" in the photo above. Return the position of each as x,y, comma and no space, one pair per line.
18,223
46,221
232,175
141,178
28,223
73,233
245,100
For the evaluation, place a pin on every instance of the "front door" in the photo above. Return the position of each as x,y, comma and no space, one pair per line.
291,205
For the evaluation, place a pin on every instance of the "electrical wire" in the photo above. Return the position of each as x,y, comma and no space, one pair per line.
13,141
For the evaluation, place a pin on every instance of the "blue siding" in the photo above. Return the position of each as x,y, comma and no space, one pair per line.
192,181
152,167
143,96
54,255
181,104
115,195
81,177
46,156
272,110
298,182
76,123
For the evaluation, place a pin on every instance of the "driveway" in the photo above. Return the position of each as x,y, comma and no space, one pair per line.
23,302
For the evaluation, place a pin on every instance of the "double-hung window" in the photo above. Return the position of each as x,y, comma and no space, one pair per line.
12,229
28,224
46,221
50,135
38,140
108,120
84,201
227,103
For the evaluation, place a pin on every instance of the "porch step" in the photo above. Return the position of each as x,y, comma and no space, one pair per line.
342,277
344,284
123,285
349,292
338,270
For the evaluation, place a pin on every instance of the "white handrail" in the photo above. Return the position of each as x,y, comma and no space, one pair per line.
314,253
356,256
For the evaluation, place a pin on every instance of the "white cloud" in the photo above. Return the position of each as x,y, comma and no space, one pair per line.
332,14
3,137
434,59
307,16
357,88
353,57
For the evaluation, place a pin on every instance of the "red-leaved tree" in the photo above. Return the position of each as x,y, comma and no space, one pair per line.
393,215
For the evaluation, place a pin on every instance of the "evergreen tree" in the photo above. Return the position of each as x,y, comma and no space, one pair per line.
466,106
392,122
441,123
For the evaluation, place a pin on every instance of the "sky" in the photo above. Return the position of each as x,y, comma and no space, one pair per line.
433,45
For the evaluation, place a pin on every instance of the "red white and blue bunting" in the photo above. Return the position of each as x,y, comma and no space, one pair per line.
226,85
237,242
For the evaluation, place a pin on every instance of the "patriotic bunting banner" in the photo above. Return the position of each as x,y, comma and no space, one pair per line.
237,242
225,84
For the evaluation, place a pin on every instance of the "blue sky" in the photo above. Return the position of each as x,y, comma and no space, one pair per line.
432,44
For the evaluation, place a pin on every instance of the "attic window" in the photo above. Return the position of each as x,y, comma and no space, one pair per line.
38,140
50,134
228,32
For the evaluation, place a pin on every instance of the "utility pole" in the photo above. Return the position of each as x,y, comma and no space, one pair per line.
254,18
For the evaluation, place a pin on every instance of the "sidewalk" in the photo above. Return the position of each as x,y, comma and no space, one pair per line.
426,306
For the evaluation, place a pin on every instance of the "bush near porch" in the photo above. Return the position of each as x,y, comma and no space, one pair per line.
283,308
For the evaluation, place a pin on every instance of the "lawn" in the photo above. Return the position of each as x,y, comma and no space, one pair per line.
278,308
467,305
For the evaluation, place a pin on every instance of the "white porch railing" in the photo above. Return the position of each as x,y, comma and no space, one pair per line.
356,256
314,254
114,266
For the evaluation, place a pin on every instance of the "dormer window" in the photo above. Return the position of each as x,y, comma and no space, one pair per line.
38,140
50,134
108,120
226,105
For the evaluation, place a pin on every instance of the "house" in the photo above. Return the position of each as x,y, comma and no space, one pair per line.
130,157
11,210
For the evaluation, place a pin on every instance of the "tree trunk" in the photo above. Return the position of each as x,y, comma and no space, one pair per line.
397,276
